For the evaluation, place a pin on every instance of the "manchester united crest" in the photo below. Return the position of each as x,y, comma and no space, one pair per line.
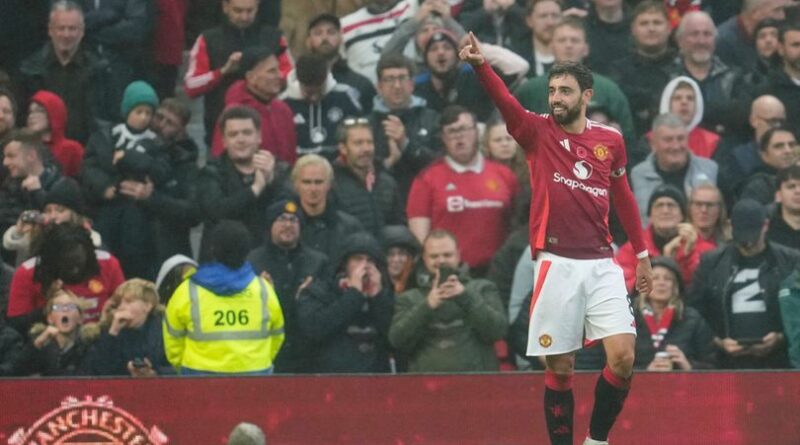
545,341
95,286
491,184
88,421
600,152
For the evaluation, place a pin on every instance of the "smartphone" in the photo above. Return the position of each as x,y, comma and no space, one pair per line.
749,341
445,272
139,363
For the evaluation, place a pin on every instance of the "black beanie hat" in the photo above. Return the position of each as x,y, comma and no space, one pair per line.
67,193
279,208
669,191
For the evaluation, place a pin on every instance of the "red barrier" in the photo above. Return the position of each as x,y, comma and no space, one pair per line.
500,409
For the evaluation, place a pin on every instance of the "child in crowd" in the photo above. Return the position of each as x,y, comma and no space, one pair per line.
58,348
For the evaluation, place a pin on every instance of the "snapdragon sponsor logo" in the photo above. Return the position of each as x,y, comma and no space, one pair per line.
574,184
459,204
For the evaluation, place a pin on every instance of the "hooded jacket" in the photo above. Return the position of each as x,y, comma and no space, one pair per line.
67,152
316,123
457,336
702,142
223,320
348,329
277,127
289,268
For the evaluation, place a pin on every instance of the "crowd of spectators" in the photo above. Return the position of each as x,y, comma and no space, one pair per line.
360,204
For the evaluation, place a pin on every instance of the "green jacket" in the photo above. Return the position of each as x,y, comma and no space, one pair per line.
457,336
533,96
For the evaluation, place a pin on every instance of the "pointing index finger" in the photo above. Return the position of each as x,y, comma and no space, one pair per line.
472,40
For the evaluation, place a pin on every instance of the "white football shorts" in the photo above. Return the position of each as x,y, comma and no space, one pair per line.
576,301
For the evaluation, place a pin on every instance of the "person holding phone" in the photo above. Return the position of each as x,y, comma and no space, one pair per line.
670,335
736,289
450,322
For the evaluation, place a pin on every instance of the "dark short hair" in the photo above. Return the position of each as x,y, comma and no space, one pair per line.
766,138
787,174
394,61
239,112
311,69
532,4
230,242
649,6
579,71
28,140
788,26
178,108
253,56
451,113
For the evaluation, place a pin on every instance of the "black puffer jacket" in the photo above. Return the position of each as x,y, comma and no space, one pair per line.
422,130
14,199
691,334
709,295
288,269
225,193
174,203
373,209
348,330
326,232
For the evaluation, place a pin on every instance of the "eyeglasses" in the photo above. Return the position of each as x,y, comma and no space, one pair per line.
773,122
458,131
391,80
705,204
352,121
69,307
665,205
287,217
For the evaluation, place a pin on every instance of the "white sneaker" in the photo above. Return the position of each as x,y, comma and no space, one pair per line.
590,441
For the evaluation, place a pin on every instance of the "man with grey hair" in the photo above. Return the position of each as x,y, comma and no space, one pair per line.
247,434
735,37
66,68
725,92
671,162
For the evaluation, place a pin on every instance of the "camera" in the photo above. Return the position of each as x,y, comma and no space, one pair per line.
32,217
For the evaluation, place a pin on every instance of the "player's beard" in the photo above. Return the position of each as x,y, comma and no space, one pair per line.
570,116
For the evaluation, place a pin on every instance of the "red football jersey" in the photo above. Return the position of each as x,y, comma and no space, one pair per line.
25,295
475,207
571,178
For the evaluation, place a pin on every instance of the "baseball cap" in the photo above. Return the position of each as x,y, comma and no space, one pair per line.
747,218
325,17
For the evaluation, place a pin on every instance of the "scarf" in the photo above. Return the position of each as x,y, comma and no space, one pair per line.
658,329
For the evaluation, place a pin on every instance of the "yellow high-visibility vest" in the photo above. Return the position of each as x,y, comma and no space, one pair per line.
235,333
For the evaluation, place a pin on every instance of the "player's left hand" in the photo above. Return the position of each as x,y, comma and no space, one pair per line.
644,276
471,52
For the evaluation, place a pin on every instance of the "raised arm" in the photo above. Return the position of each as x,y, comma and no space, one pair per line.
513,113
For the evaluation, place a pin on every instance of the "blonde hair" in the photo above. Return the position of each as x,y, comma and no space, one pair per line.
139,289
676,301
311,159
722,229
518,163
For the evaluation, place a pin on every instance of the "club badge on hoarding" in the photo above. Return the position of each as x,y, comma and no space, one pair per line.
88,421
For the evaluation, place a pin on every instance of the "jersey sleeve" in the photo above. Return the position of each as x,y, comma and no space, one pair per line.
200,78
420,198
521,123
22,293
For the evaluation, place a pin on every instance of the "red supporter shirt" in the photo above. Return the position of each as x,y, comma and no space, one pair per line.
26,296
572,178
475,207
